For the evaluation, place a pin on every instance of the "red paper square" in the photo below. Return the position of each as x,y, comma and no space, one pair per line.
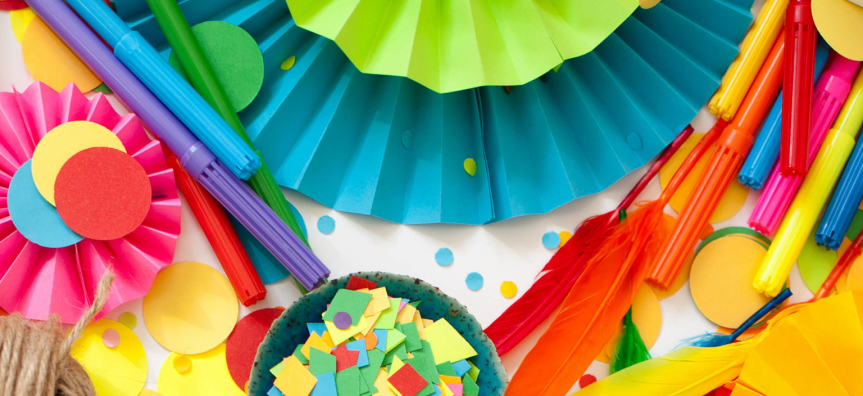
345,358
407,381
357,283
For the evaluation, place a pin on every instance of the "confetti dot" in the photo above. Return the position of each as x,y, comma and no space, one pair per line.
342,320
443,257
508,289
289,63
470,166
474,281
129,320
551,240
182,364
371,341
408,138
326,225
111,338
564,237
35,218
586,380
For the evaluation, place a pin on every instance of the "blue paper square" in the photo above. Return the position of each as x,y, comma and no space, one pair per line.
275,392
360,346
326,385
461,367
318,328
381,334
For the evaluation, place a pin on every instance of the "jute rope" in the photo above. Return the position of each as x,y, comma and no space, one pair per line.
34,356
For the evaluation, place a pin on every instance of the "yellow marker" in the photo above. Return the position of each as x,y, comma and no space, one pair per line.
812,196
753,51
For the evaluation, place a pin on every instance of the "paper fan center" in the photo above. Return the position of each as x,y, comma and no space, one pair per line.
102,193
35,218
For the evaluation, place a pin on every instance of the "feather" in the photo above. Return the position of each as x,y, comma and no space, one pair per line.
712,340
630,349
566,266
688,371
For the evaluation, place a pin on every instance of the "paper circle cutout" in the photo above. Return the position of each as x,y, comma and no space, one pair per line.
117,371
235,57
20,19
111,338
508,289
60,144
371,341
647,316
443,257
207,375
342,320
49,60
733,199
129,320
102,193
470,166
474,281
242,344
182,364
738,231
721,280
564,237
551,240
326,225
840,22
815,263
34,217
190,316
12,4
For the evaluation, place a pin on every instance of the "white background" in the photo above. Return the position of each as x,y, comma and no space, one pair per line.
511,250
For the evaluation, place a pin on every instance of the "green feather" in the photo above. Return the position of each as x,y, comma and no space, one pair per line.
630,348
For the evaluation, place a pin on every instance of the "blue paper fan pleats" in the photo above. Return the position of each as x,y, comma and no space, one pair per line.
388,147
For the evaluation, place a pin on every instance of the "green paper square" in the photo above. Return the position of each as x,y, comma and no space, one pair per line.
321,362
394,338
299,354
469,386
277,369
348,382
428,357
352,302
412,337
473,372
399,351
370,372
418,362
387,320
445,368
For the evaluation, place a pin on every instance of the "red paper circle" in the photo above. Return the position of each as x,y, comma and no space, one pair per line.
12,5
242,344
102,193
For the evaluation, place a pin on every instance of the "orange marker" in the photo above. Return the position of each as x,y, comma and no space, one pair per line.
731,149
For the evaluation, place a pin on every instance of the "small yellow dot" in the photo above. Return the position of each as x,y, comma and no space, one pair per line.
182,364
508,289
564,236
470,166
129,320
289,63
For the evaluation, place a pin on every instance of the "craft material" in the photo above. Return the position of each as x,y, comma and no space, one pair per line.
12,4
203,374
840,23
551,240
815,263
443,257
832,89
797,86
205,81
200,162
810,200
242,344
630,348
566,266
508,289
49,60
326,225
725,162
713,340
221,234
838,217
190,317
39,281
646,316
474,281
116,369
754,50
36,355
765,152
849,257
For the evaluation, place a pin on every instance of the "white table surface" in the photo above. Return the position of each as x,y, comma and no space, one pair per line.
511,250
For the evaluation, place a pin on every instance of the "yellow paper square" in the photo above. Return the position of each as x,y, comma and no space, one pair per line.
448,379
371,320
397,364
447,344
340,336
421,328
427,322
382,384
328,339
315,341
294,379
406,315
380,301
445,390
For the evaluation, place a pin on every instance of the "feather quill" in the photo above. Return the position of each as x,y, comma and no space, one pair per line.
566,266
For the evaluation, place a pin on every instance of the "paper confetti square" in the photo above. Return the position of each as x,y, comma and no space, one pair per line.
407,381
344,358
348,382
381,334
317,328
461,368
360,347
315,341
380,301
339,336
356,283
326,385
294,379
447,344
352,302
446,368
394,338
387,320
321,362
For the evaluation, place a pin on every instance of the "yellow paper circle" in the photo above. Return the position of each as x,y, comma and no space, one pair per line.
731,202
49,60
721,280
190,308
840,22
564,237
20,19
129,320
470,166
508,289
118,371
646,315
207,375
60,144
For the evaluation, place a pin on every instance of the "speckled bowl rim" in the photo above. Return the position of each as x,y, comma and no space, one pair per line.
261,380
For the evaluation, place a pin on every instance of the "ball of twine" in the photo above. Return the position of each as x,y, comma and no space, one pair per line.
34,356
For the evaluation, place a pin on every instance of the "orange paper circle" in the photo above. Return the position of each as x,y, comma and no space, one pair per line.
647,316
721,280
733,199
855,276
49,60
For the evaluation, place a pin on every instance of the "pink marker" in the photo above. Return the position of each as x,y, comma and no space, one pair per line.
830,93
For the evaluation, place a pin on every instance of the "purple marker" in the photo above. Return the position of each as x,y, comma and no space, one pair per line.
230,191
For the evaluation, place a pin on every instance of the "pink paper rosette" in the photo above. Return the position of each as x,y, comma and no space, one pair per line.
37,281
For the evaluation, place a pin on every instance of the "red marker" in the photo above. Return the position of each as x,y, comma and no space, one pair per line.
800,37
221,234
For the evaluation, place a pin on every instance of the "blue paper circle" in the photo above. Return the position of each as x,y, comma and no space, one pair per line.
33,216
443,257
551,240
269,269
326,225
474,281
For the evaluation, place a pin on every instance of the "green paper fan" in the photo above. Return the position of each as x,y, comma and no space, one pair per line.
454,45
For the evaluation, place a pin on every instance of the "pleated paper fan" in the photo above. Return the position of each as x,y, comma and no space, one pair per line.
390,148
38,281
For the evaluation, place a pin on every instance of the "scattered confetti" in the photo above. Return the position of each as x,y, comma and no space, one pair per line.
129,320
508,289
470,166
443,257
289,63
564,237
474,281
551,240
326,225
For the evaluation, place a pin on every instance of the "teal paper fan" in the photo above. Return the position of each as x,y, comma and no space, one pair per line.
388,147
